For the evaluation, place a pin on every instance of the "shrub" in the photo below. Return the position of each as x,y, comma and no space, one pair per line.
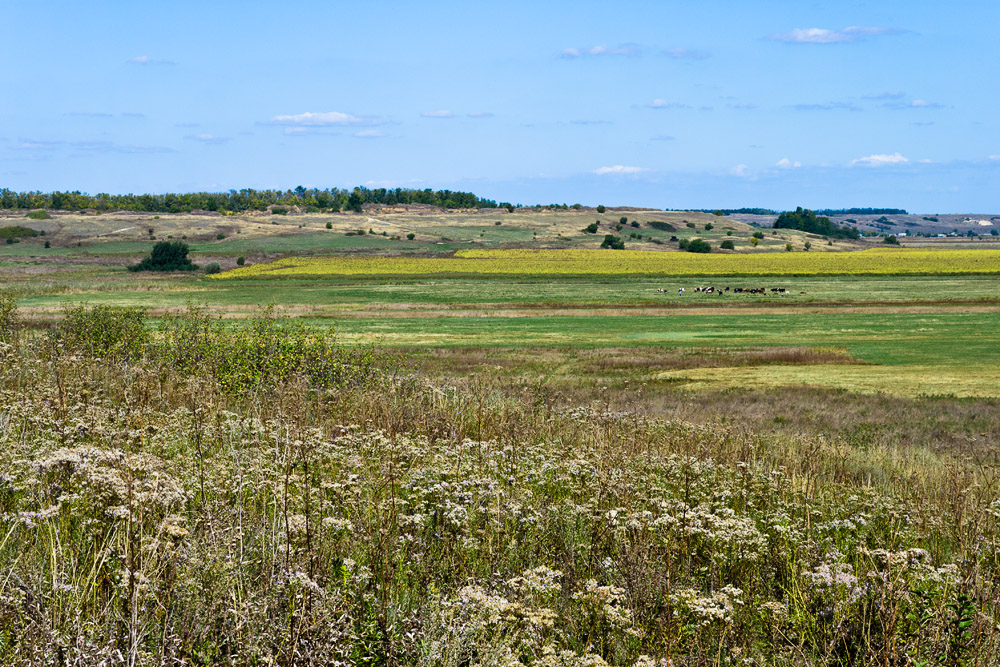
613,242
709,227
8,318
635,223
891,240
48,245
16,231
497,223
698,245
411,236
591,228
662,226
689,225
112,333
601,209
279,210
623,220
727,245
241,260
754,241
39,215
329,225
808,245
788,247
683,244
758,234
729,233
212,267
220,236
166,256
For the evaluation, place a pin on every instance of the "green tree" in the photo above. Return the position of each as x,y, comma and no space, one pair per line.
727,245
601,209
788,247
613,242
166,256
698,245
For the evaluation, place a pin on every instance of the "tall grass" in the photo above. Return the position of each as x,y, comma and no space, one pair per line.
218,501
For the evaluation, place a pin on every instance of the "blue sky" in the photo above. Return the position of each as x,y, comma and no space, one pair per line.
662,104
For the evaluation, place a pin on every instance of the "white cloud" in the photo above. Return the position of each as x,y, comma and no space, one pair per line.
618,169
686,54
880,160
994,157
886,95
740,170
785,163
322,119
207,139
440,113
480,114
369,134
852,33
663,104
146,60
602,50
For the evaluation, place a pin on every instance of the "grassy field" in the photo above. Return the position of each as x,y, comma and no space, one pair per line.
491,467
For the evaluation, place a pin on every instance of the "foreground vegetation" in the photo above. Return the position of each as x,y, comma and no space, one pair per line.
201,495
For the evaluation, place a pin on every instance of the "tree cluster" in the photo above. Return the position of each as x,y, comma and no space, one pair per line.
238,201
805,220
166,256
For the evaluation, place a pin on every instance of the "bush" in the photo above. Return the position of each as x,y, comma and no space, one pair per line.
683,244
689,225
166,256
808,245
754,241
591,228
16,231
727,245
758,234
411,236
279,210
662,226
212,267
623,220
220,236
39,215
635,223
8,318
709,227
48,245
891,240
329,225
241,260
112,333
788,247
698,245
613,242
601,209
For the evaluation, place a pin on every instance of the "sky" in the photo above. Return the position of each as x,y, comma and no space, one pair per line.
710,104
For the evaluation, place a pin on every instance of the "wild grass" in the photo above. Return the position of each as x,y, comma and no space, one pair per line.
153,514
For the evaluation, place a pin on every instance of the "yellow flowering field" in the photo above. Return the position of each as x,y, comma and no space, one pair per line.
875,261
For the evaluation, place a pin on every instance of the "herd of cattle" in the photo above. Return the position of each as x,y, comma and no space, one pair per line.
735,290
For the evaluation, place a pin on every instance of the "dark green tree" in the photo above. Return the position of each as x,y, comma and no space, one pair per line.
166,256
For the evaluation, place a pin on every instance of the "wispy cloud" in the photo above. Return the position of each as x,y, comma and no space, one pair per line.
320,119
913,104
37,144
619,169
110,147
785,163
880,160
686,54
132,114
369,134
630,50
740,170
827,106
590,122
741,107
209,139
663,104
147,61
88,114
846,35
480,114
440,113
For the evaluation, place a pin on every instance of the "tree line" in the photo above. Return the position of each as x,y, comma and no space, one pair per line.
807,221
238,201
